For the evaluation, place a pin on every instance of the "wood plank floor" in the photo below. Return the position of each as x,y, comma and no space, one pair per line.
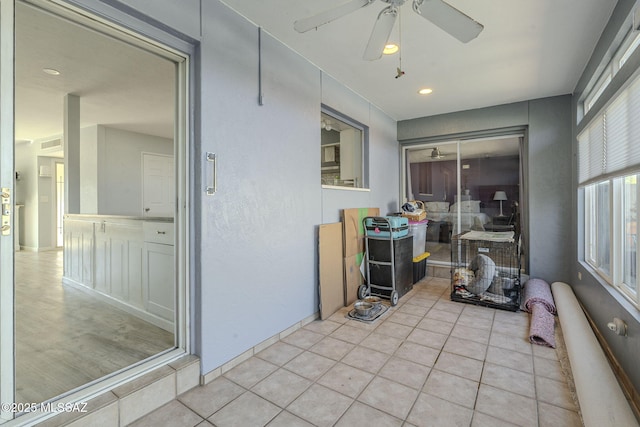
65,337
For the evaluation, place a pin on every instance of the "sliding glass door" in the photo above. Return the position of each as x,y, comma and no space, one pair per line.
465,185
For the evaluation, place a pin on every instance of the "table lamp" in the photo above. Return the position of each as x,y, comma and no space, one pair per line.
500,195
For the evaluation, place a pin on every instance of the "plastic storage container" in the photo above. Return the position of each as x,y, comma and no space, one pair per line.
419,232
420,266
379,226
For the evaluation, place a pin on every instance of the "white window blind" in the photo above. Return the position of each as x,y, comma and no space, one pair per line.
611,143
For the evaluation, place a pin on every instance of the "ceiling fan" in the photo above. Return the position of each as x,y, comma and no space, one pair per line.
438,12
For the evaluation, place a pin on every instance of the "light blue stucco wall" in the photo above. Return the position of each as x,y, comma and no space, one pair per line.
254,241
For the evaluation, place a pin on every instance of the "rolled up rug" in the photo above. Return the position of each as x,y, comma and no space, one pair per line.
542,327
538,291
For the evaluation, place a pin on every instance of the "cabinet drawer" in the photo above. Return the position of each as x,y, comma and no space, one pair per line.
158,232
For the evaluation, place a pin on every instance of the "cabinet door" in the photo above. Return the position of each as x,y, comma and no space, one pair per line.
158,279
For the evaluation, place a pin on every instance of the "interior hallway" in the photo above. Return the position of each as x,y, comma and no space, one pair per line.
426,362
65,337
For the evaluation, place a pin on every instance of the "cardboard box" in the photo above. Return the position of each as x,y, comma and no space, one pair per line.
354,249
353,278
330,243
354,229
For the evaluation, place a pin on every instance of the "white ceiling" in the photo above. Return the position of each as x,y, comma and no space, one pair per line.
529,49
119,85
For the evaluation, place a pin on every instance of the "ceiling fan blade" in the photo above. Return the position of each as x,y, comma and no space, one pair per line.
306,24
380,34
449,19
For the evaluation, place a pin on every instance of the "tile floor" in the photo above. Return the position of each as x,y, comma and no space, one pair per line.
426,362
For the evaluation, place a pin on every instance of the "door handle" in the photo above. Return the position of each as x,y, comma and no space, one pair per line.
6,211
213,158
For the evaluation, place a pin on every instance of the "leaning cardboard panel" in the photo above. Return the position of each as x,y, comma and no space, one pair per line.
354,249
331,277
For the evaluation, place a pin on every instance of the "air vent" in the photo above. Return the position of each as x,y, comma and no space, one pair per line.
53,144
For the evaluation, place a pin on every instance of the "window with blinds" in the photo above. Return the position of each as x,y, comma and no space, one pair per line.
610,144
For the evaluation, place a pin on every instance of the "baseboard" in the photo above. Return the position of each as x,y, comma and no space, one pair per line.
215,373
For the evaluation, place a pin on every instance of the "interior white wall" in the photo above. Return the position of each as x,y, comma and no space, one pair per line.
119,171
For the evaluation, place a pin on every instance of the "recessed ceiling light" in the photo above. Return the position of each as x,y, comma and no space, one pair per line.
425,91
390,49
51,71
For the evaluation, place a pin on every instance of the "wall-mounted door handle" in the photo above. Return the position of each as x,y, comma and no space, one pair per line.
160,232
213,159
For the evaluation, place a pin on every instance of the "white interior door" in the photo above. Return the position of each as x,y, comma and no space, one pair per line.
7,373
158,192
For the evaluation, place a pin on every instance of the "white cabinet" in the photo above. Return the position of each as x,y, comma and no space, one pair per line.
127,262
159,272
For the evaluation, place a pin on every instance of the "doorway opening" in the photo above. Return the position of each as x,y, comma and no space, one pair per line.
82,313
473,184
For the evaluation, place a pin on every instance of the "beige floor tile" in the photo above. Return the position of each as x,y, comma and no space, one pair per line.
250,372
437,326
475,322
554,392
282,387
207,399
431,411
405,372
360,414
378,392
451,387
303,338
332,348
417,353
403,318
511,359
450,306
346,379
322,327
443,315
464,347
310,365
320,406
366,359
553,416
471,333
279,353
179,414
507,406
247,410
478,312
350,333
509,342
509,379
427,338
545,352
393,329
287,419
381,343
484,420
460,365
414,309
548,368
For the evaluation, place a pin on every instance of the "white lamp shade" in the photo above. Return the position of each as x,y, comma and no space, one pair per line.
500,195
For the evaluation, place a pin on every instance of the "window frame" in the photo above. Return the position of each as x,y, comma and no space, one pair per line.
364,149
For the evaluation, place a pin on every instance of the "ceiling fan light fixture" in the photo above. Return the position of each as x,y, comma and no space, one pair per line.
436,154
390,49
51,71
425,91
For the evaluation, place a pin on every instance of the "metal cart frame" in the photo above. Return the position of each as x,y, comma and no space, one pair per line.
369,288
